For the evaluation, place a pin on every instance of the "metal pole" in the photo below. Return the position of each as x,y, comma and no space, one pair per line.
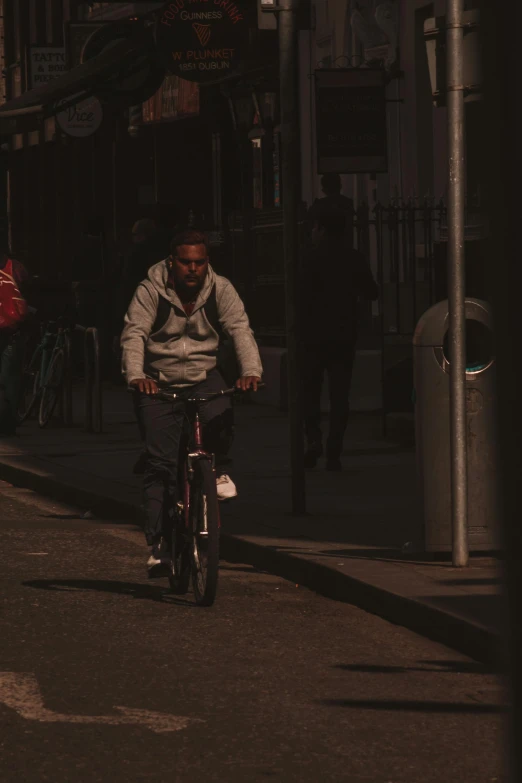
290,169
456,290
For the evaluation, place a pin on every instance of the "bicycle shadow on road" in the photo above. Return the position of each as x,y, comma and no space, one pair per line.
416,706
441,667
140,592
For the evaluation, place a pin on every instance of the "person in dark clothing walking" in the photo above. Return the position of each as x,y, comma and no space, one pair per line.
332,202
334,277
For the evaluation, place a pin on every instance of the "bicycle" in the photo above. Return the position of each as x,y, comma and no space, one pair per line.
194,537
44,374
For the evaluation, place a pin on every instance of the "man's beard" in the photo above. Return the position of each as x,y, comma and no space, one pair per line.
187,292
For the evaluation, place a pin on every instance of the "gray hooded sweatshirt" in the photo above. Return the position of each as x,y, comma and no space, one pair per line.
184,349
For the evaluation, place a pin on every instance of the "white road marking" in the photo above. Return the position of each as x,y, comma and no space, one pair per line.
21,693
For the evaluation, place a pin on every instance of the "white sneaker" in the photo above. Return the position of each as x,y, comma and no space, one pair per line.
226,489
159,560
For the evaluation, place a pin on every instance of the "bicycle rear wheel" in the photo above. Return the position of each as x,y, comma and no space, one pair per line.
204,517
30,387
52,388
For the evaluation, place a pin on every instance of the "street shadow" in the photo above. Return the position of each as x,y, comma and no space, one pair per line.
417,706
441,667
486,609
140,592
464,582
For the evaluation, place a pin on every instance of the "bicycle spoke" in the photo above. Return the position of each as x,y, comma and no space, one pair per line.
205,534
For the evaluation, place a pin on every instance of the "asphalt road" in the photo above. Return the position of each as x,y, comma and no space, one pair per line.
105,676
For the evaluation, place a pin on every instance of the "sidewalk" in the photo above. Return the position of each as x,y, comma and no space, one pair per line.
348,546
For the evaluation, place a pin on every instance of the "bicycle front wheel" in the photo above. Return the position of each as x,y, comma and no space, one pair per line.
204,516
30,387
52,387
179,577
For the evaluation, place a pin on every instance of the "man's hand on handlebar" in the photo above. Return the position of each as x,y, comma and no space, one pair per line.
144,385
248,382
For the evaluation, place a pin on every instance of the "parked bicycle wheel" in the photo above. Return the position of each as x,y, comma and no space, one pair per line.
204,517
52,387
30,386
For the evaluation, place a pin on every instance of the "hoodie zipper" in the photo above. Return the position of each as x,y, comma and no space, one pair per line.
185,346
185,334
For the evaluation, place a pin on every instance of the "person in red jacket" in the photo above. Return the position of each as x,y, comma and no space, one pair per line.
11,354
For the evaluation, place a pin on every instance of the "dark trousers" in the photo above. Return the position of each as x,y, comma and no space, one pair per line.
11,359
162,425
336,360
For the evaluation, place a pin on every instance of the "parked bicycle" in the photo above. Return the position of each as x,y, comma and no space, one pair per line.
194,537
45,372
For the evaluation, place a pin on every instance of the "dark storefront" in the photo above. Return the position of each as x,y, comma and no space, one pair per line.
205,152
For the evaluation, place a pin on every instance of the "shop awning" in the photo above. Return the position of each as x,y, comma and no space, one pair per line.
24,113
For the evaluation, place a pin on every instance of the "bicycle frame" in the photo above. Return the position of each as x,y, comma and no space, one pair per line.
195,451
196,520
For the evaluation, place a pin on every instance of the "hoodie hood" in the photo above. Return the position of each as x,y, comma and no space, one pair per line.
159,277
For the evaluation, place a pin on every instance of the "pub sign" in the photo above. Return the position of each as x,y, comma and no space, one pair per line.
203,40
350,120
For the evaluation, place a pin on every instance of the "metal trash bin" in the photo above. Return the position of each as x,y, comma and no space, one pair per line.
432,427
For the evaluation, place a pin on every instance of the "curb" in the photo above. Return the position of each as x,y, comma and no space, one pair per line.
454,631
458,633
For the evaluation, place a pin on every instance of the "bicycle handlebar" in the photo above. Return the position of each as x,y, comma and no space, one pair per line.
169,396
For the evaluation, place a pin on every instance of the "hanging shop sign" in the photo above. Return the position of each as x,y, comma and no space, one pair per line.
45,64
81,119
351,120
138,81
175,99
203,40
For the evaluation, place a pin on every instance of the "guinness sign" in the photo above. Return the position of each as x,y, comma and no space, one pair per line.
202,40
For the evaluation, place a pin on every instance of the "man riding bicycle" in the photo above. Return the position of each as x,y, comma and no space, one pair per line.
171,339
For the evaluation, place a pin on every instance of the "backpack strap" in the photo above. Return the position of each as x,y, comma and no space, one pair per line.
162,314
211,311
